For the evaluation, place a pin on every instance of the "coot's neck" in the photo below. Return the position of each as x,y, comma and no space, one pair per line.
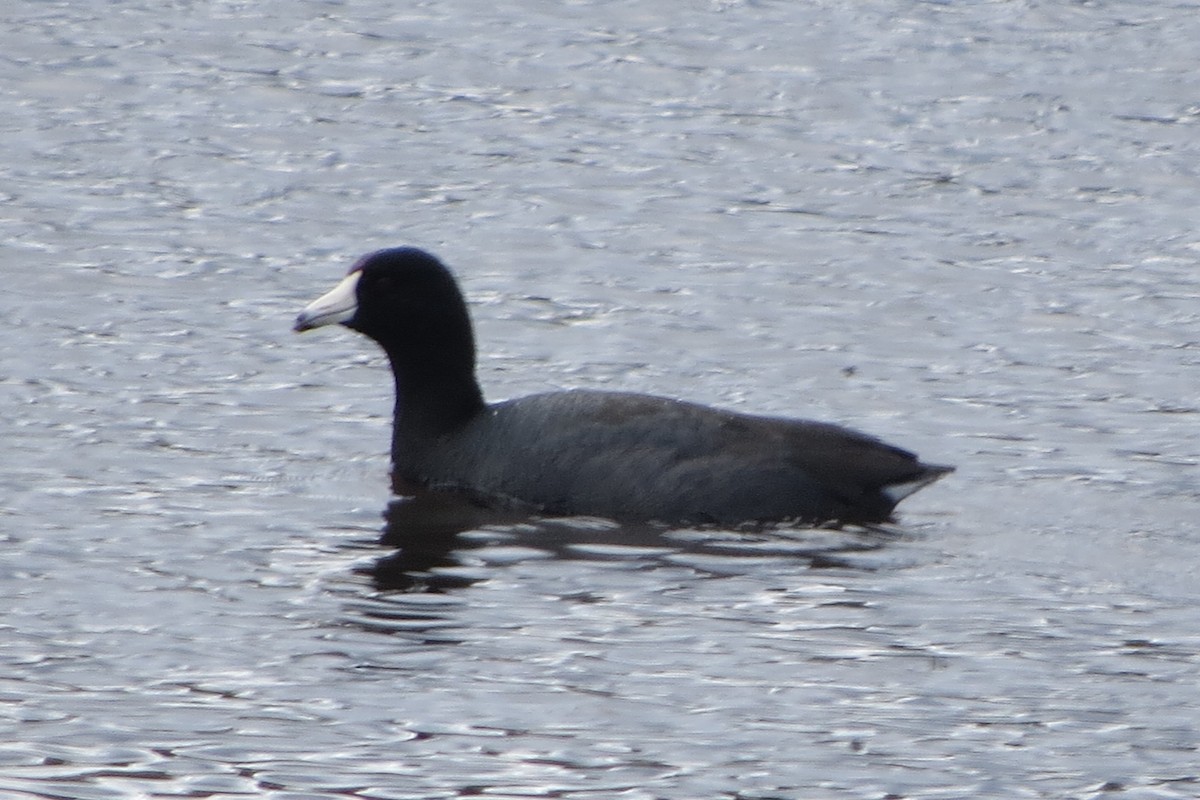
432,400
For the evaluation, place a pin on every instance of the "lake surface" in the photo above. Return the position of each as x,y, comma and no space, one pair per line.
969,228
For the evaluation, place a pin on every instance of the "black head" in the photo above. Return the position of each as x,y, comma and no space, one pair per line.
403,298
408,302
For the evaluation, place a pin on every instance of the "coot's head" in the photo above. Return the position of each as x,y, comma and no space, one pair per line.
404,299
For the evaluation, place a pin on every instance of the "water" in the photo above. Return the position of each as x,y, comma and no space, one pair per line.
969,228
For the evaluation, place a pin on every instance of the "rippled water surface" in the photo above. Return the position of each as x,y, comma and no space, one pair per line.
970,228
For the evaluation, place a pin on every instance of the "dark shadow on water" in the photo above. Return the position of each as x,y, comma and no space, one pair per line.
443,542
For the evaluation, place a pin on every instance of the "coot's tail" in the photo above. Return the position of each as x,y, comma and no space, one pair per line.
928,474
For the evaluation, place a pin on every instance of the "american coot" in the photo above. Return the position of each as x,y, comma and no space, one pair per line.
628,457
